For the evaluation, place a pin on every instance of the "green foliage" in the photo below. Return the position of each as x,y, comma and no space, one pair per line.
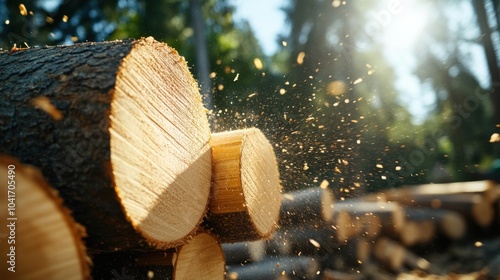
327,98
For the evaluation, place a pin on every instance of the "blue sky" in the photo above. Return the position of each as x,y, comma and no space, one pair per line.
266,19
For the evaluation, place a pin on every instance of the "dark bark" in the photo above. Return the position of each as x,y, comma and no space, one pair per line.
74,152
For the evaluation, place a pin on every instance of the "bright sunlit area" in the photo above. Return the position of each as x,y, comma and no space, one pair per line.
236,139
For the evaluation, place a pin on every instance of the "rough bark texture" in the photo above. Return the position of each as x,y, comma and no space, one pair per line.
79,84
311,205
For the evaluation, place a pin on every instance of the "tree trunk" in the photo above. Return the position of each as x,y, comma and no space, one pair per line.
41,239
202,62
118,128
245,200
492,61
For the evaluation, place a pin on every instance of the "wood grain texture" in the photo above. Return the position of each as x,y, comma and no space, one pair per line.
245,200
130,154
48,243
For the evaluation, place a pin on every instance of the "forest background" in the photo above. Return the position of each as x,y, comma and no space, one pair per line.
364,94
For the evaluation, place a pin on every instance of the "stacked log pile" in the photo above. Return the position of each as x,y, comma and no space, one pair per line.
378,235
119,132
114,173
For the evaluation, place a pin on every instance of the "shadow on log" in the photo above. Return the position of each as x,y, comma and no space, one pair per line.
119,129
245,199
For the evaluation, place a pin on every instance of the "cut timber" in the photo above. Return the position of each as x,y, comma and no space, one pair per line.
46,241
200,258
343,225
308,207
244,252
350,255
125,138
394,256
309,242
449,223
282,268
245,200
472,206
392,215
486,188
389,253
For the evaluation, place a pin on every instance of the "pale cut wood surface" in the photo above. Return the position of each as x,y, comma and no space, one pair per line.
311,206
119,129
48,242
246,197
201,258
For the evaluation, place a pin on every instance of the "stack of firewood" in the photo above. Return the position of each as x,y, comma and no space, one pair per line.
113,172
388,230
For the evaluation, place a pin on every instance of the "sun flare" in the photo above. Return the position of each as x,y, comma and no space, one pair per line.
406,26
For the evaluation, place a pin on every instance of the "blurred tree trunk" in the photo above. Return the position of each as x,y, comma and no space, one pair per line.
201,52
491,57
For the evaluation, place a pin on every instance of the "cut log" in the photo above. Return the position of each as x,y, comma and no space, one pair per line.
311,206
308,242
40,239
343,225
276,268
350,255
244,252
389,253
119,129
449,224
392,215
200,258
485,188
367,226
474,207
245,200
395,257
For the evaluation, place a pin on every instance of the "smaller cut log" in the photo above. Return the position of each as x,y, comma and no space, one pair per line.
200,258
485,188
311,206
39,238
449,224
343,225
350,255
474,207
389,253
276,268
367,226
392,215
308,242
395,257
244,252
245,200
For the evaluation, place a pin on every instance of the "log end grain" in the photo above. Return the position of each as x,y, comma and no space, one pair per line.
201,258
159,137
246,194
48,242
